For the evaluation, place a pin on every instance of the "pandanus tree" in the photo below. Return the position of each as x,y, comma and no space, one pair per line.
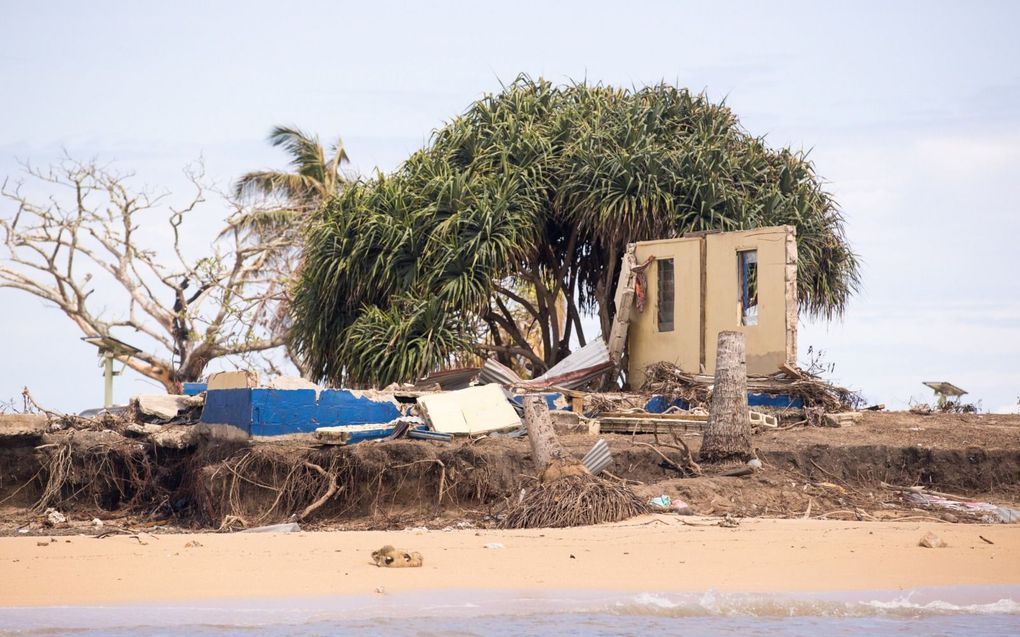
513,219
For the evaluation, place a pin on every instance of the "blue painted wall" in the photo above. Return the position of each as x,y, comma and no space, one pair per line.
269,412
193,389
550,401
658,404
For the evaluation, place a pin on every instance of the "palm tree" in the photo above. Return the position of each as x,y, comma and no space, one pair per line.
286,199
274,204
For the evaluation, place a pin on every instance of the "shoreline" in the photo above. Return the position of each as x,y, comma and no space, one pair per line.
652,553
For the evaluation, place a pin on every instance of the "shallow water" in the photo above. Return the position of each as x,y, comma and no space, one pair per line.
948,612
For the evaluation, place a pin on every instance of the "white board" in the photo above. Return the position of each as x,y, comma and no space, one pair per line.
474,410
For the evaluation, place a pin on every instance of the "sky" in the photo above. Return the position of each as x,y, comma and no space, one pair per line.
910,111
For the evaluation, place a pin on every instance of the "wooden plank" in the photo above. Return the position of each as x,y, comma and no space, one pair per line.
624,300
647,426
621,324
650,416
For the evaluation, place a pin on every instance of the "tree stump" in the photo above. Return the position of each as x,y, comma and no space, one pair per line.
728,432
551,460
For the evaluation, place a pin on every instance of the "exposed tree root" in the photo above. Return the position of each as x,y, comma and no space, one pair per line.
573,501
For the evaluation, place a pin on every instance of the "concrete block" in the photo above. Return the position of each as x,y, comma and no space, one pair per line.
233,380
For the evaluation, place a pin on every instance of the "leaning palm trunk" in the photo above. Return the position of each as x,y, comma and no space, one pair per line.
567,493
728,433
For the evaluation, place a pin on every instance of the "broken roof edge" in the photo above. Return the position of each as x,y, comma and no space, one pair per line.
573,371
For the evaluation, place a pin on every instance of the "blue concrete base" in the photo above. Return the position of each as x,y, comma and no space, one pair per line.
659,404
269,412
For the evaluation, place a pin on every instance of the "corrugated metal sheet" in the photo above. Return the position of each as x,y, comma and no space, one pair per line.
591,355
495,372
449,379
598,458
573,371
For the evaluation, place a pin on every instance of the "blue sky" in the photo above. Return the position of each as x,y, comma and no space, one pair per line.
911,111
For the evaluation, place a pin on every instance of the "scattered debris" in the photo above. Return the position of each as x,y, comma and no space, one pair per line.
990,512
729,522
164,408
390,557
425,434
350,434
598,458
54,517
762,420
194,544
800,386
932,541
288,527
841,419
661,502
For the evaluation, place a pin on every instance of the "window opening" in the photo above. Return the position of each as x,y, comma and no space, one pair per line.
747,262
666,294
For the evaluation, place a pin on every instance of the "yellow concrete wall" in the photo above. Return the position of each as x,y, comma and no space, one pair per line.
770,343
767,342
645,344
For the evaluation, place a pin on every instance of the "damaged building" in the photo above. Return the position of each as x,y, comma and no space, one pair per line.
676,295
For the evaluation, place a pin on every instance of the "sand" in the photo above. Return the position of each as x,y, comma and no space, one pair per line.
653,553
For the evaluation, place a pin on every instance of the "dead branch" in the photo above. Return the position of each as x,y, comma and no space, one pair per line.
86,236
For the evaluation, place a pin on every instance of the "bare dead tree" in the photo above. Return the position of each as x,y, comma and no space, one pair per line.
86,232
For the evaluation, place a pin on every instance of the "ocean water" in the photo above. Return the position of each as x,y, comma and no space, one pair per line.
948,612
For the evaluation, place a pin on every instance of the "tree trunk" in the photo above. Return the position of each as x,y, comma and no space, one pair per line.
551,460
728,432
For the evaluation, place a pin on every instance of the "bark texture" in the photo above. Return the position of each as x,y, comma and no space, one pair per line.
551,460
728,433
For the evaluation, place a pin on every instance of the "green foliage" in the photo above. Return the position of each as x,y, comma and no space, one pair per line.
544,186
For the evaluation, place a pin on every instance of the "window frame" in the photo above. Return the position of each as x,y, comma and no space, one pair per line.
665,314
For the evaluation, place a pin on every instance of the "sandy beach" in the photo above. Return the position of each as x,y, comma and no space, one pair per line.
653,553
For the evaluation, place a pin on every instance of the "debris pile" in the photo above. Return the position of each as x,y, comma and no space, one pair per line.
805,389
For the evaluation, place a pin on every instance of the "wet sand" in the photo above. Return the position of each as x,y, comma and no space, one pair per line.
652,553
